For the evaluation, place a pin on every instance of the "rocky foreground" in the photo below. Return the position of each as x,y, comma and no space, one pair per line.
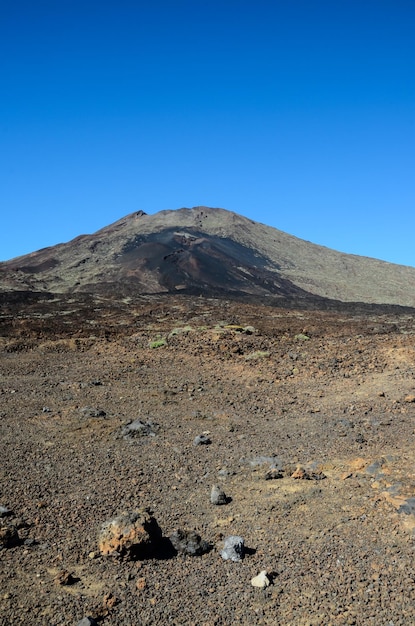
181,461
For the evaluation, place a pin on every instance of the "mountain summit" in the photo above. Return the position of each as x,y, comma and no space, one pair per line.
209,251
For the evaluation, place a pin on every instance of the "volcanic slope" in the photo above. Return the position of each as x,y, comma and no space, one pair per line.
208,251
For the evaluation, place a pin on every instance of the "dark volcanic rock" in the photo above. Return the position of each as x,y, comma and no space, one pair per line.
189,542
137,429
201,440
9,537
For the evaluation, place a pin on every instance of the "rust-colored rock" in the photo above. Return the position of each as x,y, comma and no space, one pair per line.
132,534
65,578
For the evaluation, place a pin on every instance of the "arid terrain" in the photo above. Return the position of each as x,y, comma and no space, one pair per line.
310,417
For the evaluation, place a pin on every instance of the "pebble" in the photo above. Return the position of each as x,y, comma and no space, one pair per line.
201,440
233,548
9,537
273,473
64,578
261,580
141,584
4,511
218,496
88,412
87,621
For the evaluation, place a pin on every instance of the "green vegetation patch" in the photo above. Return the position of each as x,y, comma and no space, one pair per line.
158,343
256,356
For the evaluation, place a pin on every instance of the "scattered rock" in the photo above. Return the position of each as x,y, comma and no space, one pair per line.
141,584
9,537
88,412
218,496
360,438
30,542
189,542
261,580
233,548
131,534
273,473
137,428
109,601
224,473
4,511
201,440
408,507
302,474
87,621
410,398
65,578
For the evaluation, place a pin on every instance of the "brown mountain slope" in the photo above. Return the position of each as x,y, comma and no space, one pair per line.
210,251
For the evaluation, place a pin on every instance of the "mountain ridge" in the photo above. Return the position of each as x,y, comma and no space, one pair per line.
207,250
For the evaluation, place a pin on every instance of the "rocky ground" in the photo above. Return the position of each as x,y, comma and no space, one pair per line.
308,427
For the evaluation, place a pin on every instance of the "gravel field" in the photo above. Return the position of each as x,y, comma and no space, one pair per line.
309,423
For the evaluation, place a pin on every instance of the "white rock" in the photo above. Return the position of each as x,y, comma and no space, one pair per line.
261,580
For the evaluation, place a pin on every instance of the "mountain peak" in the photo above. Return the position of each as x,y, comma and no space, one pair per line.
206,250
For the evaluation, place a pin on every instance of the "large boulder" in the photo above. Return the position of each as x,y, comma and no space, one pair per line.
132,534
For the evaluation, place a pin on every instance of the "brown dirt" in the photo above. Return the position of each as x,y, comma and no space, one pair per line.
330,392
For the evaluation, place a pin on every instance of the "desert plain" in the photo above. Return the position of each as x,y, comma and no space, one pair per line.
309,421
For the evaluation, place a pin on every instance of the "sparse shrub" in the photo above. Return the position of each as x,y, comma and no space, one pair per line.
301,337
255,356
180,331
158,343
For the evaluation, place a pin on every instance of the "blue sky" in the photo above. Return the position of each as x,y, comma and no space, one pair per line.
297,113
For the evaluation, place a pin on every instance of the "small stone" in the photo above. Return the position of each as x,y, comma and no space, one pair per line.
302,474
9,537
189,542
87,621
4,511
89,412
64,578
233,548
299,474
410,398
92,555
130,534
141,584
201,440
261,580
218,496
110,601
273,474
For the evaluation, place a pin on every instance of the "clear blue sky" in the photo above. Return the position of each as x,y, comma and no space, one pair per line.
297,113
